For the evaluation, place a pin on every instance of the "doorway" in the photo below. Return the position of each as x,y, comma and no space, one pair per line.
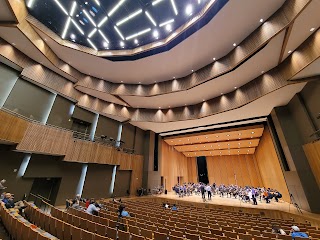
45,188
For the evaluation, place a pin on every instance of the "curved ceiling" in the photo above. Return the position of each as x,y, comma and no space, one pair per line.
214,40
237,22
118,24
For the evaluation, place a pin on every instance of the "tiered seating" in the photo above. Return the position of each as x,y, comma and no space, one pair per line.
19,228
151,221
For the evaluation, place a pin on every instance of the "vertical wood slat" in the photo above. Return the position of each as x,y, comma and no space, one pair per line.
12,128
312,151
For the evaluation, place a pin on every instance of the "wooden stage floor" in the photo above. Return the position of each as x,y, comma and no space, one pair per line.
232,202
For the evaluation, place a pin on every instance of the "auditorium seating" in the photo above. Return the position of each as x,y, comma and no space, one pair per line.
151,221
19,228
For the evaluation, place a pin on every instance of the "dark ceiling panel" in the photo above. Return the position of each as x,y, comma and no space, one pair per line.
86,16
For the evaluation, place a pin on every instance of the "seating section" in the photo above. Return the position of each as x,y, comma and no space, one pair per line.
19,228
151,221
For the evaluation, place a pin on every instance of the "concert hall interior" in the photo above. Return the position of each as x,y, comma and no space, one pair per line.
157,102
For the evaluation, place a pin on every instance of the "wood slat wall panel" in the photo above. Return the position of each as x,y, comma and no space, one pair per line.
12,129
233,169
44,139
192,169
136,175
312,151
269,165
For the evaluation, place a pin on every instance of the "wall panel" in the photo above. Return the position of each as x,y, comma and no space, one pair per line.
8,78
269,165
61,112
312,151
12,128
192,169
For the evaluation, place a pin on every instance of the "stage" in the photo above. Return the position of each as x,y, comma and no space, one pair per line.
236,203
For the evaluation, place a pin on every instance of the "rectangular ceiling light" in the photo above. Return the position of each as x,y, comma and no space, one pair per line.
118,31
156,2
73,8
151,19
92,33
115,8
92,45
97,2
30,3
88,16
66,26
139,33
104,36
62,8
102,21
174,7
165,23
77,26
129,17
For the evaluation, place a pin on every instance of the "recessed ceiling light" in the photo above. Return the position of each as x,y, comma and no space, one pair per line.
252,132
189,9
73,36
221,93
13,44
203,100
155,34
249,142
121,43
191,70
261,20
235,87
136,41
105,44
214,59
234,44
312,29
159,107
45,39
139,82
121,81
228,135
168,27
289,51
86,3
262,72
217,136
174,77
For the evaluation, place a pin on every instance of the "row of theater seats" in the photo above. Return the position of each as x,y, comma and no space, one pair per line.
17,229
195,222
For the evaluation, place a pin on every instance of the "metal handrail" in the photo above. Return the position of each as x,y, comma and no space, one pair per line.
75,134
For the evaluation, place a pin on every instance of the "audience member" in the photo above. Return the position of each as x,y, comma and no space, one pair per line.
2,187
295,232
93,208
278,230
174,208
124,213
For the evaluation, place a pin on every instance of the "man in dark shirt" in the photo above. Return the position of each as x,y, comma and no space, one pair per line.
203,191
8,201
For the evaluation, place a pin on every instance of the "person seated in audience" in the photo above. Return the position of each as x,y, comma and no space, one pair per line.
9,203
295,232
174,208
124,213
93,208
2,187
278,230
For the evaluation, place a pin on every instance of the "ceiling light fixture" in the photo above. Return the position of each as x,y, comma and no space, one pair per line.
62,8
174,7
261,20
92,33
97,2
77,26
156,2
166,22
139,33
88,16
189,9
105,44
214,59
235,87
136,41
72,36
312,29
30,3
151,18
115,8
262,72
155,34
121,44
104,36
66,26
92,45
129,17
73,8
168,27
289,51
102,21
119,33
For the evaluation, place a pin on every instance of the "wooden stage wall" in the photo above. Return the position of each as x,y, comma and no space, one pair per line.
260,169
